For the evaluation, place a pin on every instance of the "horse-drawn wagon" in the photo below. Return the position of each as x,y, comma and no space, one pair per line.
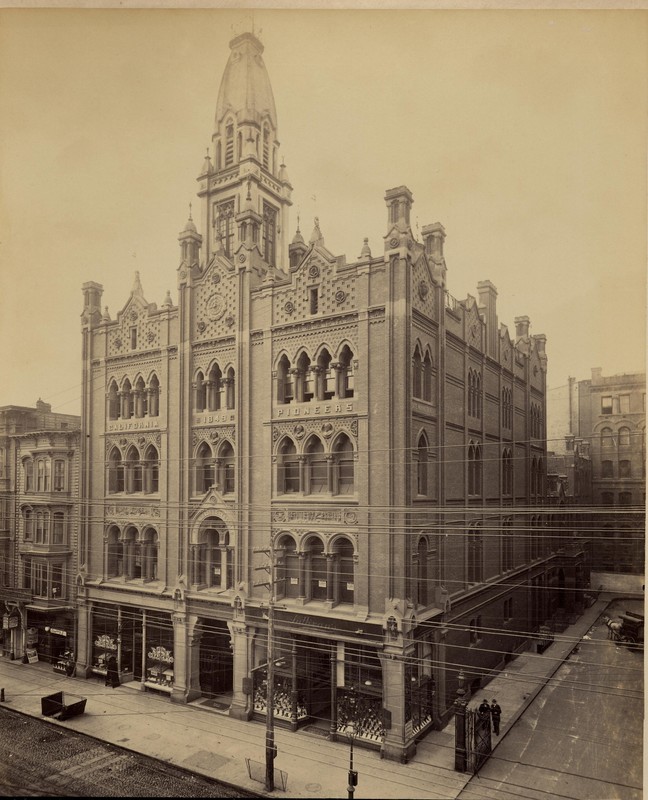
628,628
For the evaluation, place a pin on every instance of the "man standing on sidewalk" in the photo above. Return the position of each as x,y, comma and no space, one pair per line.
484,711
496,713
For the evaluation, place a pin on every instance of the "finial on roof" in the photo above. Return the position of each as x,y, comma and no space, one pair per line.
137,284
298,238
316,235
190,226
207,165
366,250
106,316
167,300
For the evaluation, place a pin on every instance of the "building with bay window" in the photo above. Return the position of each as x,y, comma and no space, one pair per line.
381,440
39,480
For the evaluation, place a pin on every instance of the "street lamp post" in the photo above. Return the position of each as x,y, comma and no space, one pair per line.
353,775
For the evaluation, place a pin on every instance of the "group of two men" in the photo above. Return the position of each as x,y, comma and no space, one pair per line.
493,712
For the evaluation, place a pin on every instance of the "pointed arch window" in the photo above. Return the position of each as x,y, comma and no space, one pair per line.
304,381
345,374
269,234
140,398
154,396
230,386
116,475
288,468
422,465
29,475
114,554
343,571
475,555
226,477
200,392
343,466
150,555
266,147
507,471
284,381
134,471
229,144
325,377
474,469
316,467
427,378
417,373
214,388
113,401
204,469
225,226
287,567
423,588
126,400
316,568
213,556
151,470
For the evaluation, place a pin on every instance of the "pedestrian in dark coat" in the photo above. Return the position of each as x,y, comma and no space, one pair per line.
496,713
484,711
112,674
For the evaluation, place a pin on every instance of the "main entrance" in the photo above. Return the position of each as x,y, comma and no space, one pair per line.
216,660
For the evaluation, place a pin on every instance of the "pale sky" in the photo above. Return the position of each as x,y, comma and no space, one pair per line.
523,132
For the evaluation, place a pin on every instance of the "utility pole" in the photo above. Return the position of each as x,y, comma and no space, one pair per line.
271,748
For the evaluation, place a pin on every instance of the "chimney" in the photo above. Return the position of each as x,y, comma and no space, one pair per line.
521,328
433,238
597,374
488,309
399,203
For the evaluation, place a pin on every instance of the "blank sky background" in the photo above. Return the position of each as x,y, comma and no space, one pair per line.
523,132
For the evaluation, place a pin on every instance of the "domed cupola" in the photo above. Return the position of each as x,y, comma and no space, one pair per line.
245,109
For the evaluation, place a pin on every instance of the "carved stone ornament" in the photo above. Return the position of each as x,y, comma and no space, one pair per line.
118,343
340,296
133,315
215,307
183,274
313,271
229,321
354,427
242,257
299,431
275,434
423,290
327,430
202,325
393,242
216,278
289,307
150,336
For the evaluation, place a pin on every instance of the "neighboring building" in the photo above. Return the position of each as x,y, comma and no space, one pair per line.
374,432
39,489
612,413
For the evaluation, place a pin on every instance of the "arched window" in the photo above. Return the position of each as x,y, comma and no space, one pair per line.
150,555
229,388
229,144
59,475
113,401
625,469
114,554
42,527
29,475
126,400
316,568
471,393
226,476
534,476
204,469
624,436
200,392
343,468
475,555
214,388
474,469
304,389
541,477
287,567
325,377
213,556
134,483
344,571
427,378
478,396
140,398
316,467
151,470
266,147
288,468
284,381
417,373
422,465
607,437
345,375
154,397
607,469
507,545
116,482
132,555
507,471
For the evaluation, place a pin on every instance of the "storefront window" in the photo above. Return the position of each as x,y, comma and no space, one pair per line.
159,653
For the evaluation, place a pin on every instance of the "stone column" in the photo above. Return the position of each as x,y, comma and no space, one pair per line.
193,659
395,744
241,707
84,639
179,692
330,582
302,576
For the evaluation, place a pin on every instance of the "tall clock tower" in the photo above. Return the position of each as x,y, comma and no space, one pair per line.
245,192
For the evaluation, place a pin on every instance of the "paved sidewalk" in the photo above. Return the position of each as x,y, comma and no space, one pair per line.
213,744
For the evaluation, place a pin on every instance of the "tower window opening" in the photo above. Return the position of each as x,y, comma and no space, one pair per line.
133,338
266,147
229,145
269,234
314,300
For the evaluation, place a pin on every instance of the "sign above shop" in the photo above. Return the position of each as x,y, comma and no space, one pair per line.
58,632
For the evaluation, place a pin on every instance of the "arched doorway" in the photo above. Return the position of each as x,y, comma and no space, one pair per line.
216,667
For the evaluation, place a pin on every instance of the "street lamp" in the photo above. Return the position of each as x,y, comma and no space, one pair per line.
353,775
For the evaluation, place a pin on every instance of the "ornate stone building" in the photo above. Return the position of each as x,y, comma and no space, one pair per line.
382,439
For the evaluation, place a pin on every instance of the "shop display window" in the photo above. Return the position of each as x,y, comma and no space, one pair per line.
159,668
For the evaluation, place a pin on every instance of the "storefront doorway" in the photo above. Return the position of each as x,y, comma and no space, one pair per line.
216,669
